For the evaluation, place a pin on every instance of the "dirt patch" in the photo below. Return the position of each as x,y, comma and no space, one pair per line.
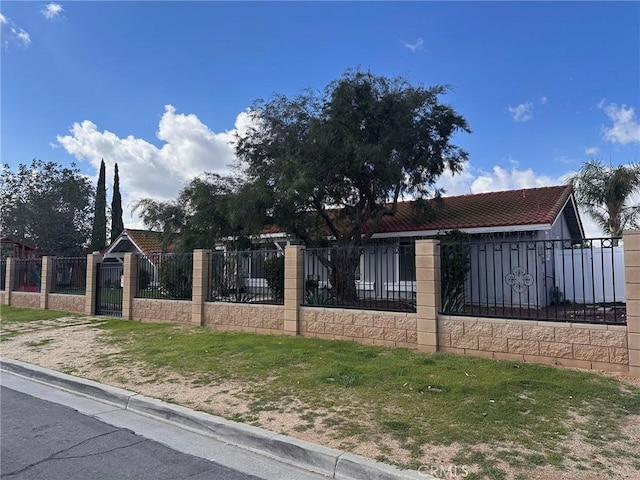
79,347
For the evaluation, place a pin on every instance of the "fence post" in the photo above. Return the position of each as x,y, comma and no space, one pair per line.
631,247
428,293
200,285
130,286
8,279
93,259
293,287
46,281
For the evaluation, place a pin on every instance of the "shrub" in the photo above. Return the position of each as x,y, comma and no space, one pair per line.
274,274
176,277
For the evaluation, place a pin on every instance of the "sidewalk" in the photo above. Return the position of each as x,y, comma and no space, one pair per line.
318,461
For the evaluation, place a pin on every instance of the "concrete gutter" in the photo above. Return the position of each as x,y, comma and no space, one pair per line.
315,458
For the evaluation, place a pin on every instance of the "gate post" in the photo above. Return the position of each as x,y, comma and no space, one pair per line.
93,259
293,287
130,273
8,279
632,278
46,284
200,285
428,296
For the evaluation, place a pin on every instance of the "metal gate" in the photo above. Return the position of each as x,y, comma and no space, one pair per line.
109,289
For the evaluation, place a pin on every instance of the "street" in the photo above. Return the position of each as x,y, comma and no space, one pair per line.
47,441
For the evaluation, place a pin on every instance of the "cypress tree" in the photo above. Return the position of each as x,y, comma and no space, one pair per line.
99,230
117,225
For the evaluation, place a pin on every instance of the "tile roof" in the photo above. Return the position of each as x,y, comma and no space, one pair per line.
149,242
509,208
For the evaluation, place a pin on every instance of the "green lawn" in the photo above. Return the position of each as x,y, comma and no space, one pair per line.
528,412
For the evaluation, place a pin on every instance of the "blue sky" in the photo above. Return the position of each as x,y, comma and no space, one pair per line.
159,87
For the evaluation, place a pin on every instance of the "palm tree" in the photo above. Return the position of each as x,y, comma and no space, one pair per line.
605,192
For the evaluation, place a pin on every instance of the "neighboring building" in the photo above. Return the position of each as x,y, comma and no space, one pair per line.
13,247
146,242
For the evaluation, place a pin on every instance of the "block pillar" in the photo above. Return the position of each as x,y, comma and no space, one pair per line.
428,293
93,259
293,287
46,280
130,286
631,248
8,279
200,285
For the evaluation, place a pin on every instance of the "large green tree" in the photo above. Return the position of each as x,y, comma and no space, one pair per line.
335,163
209,209
117,225
99,230
606,194
47,205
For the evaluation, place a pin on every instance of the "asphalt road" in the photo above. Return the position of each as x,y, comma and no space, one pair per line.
44,440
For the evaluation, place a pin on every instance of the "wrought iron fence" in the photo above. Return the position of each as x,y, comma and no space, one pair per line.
376,277
255,276
559,280
3,273
69,275
27,276
166,276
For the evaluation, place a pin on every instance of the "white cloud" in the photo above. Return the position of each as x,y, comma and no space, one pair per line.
522,112
51,10
417,45
543,100
12,33
189,148
625,129
591,151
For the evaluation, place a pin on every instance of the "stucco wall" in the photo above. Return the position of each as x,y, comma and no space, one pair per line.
364,326
25,299
601,347
150,310
244,317
66,303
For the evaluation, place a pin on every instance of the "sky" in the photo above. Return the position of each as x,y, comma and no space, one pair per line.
162,87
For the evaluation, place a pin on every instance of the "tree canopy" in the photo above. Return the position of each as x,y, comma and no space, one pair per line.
336,162
99,230
117,225
47,205
606,194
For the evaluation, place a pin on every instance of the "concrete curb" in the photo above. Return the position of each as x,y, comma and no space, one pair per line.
316,458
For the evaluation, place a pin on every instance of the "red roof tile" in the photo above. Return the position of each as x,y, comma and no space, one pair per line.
510,208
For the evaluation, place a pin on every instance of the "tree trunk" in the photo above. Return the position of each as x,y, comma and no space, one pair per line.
344,263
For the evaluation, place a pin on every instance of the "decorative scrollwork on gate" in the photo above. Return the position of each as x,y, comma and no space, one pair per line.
519,280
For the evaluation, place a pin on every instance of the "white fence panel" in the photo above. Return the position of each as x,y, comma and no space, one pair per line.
594,275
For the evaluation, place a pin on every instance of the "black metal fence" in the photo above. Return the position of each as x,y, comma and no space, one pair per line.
3,273
28,275
166,276
255,276
69,275
559,280
376,277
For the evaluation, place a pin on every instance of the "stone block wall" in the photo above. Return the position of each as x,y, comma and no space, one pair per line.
364,326
25,299
244,317
67,303
165,311
599,347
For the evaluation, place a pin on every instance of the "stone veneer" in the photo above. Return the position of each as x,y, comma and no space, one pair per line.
244,317
601,347
152,310
66,303
25,299
364,326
